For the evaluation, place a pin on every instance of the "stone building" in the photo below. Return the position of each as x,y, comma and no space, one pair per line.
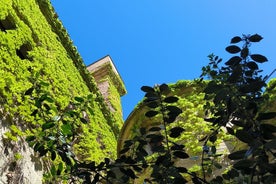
35,49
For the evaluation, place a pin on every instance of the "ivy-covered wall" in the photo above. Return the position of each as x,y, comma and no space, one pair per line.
34,46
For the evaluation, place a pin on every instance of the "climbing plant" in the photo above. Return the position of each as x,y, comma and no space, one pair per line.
236,99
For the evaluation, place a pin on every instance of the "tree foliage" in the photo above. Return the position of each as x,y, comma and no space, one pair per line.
234,98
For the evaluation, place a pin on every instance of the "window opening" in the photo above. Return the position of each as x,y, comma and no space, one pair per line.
22,52
7,24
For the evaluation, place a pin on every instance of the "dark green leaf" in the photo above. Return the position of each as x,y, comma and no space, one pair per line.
79,99
244,52
171,99
30,138
152,104
176,132
137,168
271,144
252,65
238,123
29,91
244,136
147,89
34,112
150,114
174,110
243,164
83,120
155,138
48,125
66,129
236,39
233,49
217,165
53,155
213,138
182,169
143,131
124,150
42,151
180,154
234,61
230,130
164,88
255,38
153,129
266,116
237,155
95,179
268,127
258,58
177,147
60,168
128,172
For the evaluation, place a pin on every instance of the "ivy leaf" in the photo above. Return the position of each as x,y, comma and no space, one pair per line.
79,99
233,49
234,61
171,99
176,132
48,125
236,39
255,38
180,154
147,89
124,150
29,91
66,129
258,58
83,120
174,110
150,114
30,138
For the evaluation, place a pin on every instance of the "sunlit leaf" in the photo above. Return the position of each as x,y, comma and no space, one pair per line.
48,125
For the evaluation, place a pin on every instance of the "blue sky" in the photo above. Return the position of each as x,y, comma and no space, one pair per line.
160,41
